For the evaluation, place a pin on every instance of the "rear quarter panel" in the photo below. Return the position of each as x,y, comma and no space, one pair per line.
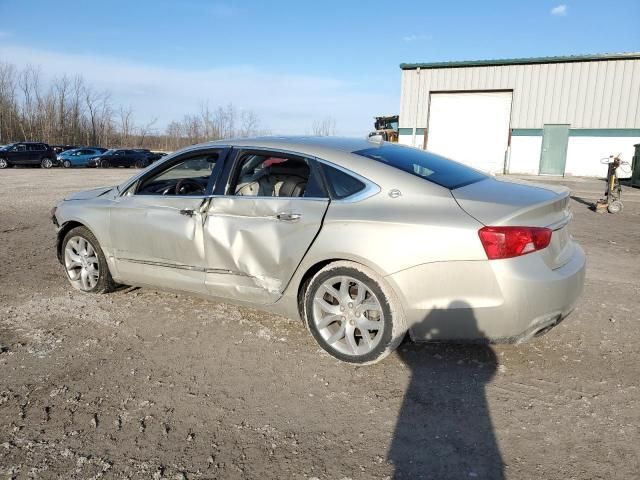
389,235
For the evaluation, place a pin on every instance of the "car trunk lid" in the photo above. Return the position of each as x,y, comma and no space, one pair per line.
498,202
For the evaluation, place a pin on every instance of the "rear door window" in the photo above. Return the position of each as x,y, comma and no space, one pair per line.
434,168
274,174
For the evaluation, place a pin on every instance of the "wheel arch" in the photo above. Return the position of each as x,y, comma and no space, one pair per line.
307,273
64,229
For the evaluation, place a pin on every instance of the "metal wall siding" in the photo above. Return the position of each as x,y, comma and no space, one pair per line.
595,94
634,103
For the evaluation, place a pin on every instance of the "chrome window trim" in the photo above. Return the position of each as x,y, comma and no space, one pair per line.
368,191
249,197
192,197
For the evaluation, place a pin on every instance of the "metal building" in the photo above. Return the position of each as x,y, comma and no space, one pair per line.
553,115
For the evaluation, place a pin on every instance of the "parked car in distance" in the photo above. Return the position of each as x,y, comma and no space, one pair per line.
151,156
361,240
79,157
63,148
119,158
27,153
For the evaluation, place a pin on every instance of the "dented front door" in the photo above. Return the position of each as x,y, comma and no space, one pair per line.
157,240
253,245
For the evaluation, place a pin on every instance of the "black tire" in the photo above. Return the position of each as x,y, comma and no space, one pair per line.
140,164
105,164
394,328
105,283
66,164
46,163
4,163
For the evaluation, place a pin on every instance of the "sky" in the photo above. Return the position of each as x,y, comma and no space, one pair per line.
291,62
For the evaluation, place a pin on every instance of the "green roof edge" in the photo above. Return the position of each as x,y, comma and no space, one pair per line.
523,61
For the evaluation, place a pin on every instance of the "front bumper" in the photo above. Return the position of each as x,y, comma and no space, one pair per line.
92,163
498,301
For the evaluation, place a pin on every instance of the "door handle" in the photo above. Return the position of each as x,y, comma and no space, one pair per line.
288,217
187,212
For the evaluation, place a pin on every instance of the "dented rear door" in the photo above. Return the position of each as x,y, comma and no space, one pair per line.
253,245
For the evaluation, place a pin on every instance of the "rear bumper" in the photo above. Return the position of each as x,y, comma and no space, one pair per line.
498,301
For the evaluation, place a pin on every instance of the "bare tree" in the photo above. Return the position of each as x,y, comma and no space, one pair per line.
145,130
126,125
249,123
68,111
324,128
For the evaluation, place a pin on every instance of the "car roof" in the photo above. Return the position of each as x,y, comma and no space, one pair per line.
339,151
302,144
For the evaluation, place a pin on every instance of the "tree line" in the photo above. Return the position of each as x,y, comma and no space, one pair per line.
68,111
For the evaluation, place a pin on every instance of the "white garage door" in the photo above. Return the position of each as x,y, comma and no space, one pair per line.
472,128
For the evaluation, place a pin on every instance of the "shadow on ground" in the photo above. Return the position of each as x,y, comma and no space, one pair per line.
444,428
590,205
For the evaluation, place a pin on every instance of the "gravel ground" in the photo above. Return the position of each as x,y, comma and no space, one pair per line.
145,384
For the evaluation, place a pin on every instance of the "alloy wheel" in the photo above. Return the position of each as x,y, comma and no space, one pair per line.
348,315
3,163
81,262
47,163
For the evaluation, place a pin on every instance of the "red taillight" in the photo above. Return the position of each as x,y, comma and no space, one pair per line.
509,242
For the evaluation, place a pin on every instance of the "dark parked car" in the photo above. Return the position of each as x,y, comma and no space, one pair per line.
120,158
27,153
155,156
151,156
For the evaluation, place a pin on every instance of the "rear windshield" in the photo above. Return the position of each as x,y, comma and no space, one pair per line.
436,169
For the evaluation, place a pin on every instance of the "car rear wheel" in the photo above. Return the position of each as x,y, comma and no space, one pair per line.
85,263
140,164
353,314
66,164
46,163
3,163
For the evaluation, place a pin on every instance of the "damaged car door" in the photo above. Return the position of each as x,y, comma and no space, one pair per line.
259,230
156,226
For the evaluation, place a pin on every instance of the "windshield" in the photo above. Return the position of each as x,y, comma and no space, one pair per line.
6,147
109,152
431,167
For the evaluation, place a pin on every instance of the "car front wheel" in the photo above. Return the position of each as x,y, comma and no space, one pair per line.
3,163
46,163
66,164
353,314
85,263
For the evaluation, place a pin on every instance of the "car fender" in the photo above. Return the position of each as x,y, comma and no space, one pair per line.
93,214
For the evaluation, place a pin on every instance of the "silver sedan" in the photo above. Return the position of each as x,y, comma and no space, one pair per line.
361,240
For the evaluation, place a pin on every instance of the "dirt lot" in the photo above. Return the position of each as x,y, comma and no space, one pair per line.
145,384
